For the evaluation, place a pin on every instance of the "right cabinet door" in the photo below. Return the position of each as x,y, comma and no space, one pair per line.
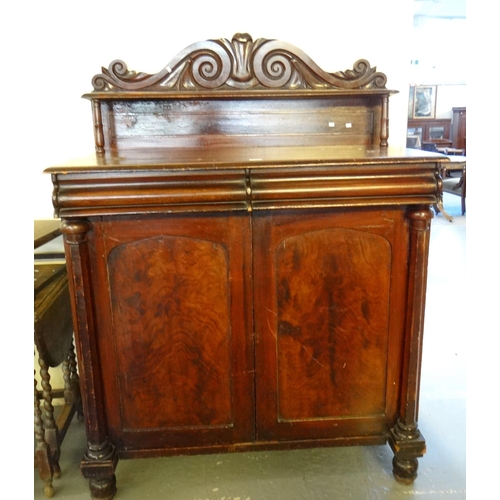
329,296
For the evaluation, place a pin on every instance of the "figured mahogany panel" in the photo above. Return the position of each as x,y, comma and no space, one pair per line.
173,339
332,323
328,331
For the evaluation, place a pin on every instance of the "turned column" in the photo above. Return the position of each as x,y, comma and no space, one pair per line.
405,439
51,430
43,457
100,459
384,123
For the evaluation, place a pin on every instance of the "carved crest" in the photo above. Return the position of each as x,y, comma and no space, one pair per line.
239,64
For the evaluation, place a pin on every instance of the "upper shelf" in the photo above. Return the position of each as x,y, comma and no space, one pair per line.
239,93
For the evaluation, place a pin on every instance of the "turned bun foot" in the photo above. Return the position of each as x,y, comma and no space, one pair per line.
48,490
103,489
405,471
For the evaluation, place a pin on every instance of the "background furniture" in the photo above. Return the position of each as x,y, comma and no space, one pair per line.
53,335
453,181
437,131
456,186
459,128
451,151
248,259
454,178
456,164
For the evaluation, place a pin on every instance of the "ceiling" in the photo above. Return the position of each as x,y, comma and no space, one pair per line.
445,9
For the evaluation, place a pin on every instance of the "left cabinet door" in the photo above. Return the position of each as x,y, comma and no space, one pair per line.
175,330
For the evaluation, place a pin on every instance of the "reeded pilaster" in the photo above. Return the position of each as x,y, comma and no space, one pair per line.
405,439
100,459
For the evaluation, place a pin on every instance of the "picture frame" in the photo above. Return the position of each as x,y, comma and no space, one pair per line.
424,102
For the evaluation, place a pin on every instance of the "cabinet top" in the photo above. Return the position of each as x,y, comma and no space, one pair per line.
243,179
240,158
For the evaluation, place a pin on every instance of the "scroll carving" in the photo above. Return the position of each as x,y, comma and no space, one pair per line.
239,64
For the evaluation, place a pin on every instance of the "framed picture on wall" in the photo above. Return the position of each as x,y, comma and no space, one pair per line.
424,102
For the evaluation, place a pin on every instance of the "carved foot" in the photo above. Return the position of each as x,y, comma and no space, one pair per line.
98,465
408,444
103,489
405,471
48,489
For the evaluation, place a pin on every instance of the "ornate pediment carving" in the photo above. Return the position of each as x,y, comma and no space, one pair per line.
238,64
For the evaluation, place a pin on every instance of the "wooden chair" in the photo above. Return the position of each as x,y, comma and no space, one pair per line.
457,186
53,336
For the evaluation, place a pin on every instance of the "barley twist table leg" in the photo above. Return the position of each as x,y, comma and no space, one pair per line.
51,432
43,459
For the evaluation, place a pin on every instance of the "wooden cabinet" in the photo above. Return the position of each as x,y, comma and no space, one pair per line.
430,131
459,127
248,260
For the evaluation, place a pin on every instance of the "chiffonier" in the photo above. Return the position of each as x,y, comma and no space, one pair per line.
247,259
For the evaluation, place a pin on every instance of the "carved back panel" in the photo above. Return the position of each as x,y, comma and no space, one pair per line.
238,92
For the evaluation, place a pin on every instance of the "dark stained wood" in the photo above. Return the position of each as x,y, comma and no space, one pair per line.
176,304
437,131
45,273
340,274
197,123
46,230
43,457
228,92
180,181
459,128
247,259
239,64
185,342
100,459
53,335
405,438
53,323
323,334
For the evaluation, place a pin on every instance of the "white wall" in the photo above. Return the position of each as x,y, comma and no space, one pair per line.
63,44
449,97
438,50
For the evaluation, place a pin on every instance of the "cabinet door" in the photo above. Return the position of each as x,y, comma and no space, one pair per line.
329,317
175,330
